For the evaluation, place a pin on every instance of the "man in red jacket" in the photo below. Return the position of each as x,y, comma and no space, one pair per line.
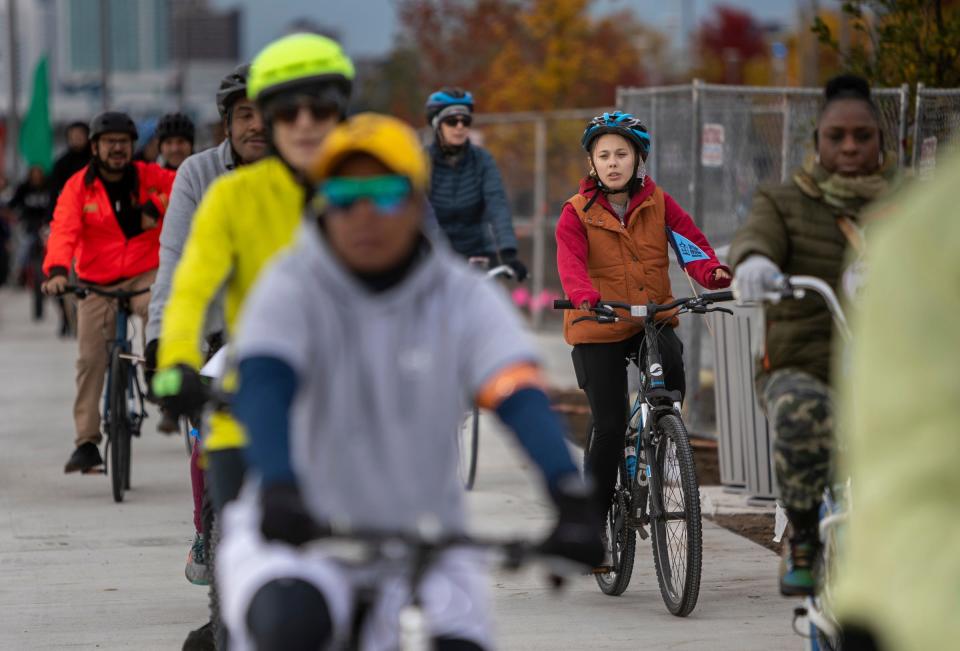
107,219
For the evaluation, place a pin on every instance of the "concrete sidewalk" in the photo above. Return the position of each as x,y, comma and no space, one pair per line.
78,571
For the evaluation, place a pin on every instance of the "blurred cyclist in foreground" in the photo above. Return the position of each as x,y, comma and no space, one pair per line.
323,407
899,571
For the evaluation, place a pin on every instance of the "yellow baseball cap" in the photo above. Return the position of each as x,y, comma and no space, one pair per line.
390,140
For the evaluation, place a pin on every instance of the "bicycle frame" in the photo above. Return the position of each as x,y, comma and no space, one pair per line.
121,342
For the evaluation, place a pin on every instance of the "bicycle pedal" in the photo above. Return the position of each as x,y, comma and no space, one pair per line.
638,524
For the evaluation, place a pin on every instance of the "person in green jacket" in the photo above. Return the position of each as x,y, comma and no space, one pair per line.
899,572
803,227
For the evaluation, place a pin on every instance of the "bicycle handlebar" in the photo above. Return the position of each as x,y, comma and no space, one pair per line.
514,551
795,287
83,290
604,307
502,270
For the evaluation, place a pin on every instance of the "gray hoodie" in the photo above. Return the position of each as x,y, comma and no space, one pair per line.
193,178
384,378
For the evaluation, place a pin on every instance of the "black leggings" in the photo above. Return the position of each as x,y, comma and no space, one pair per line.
602,374
292,615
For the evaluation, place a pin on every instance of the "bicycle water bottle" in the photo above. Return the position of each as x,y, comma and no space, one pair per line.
630,454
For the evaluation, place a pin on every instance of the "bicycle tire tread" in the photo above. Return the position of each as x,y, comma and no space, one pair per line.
672,426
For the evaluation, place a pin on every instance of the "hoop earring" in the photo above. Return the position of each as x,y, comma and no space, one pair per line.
642,172
817,159
880,159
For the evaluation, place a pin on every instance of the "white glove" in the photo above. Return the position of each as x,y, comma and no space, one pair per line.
755,278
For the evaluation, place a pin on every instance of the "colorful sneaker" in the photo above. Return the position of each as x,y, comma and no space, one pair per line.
197,571
797,576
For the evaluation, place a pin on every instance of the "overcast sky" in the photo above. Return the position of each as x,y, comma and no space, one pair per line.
368,26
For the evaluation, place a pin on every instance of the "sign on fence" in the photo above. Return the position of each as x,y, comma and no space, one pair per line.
711,152
928,157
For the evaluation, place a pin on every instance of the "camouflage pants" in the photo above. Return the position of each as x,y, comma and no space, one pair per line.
800,409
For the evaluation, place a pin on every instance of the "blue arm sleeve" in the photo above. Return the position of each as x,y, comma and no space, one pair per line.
262,405
538,429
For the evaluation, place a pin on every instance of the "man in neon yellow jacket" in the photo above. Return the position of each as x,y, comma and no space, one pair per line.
899,573
302,84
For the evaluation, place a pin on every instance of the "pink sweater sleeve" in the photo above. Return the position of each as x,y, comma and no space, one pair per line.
702,271
572,258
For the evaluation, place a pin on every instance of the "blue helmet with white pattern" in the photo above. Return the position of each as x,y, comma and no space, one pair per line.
620,123
448,96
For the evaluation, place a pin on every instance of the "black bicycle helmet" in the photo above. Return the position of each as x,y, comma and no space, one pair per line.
233,87
175,124
112,122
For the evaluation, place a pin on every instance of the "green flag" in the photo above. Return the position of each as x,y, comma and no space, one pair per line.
36,134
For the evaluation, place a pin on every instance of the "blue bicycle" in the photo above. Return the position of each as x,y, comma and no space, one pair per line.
123,399
657,482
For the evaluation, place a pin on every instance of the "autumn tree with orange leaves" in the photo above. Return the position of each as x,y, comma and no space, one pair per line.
517,55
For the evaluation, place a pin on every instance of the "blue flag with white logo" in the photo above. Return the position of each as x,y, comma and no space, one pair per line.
686,250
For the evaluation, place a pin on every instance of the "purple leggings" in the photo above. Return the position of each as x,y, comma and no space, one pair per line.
196,482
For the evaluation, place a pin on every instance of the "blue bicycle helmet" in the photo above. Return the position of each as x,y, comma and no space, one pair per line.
447,96
621,123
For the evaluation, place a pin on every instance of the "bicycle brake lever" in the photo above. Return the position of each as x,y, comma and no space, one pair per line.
721,309
585,318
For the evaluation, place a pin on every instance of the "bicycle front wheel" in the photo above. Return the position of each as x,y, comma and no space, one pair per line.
119,430
676,528
469,444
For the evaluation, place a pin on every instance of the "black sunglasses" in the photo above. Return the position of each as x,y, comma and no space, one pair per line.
455,120
288,110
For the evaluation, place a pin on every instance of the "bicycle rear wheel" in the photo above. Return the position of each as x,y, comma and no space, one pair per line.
675,522
119,430
469,446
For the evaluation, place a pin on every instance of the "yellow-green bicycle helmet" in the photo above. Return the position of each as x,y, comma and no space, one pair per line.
301,63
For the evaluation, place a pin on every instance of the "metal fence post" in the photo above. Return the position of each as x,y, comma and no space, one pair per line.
902,140
539,215
652,125
696,329
916,129
696,89
785,140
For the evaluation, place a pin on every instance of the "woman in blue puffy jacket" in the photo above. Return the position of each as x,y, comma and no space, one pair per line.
465,187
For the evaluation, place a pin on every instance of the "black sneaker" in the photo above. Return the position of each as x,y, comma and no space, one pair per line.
84,458
200,639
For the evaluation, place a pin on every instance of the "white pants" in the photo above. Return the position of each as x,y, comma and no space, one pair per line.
454,592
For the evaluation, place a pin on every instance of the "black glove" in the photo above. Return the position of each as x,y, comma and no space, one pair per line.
150,209
150,366
285,516
509,257
577,533
181,390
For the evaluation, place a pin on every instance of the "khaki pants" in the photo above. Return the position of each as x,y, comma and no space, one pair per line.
96,328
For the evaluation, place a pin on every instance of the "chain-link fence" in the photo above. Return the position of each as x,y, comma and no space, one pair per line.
541,163
712,146
936,126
